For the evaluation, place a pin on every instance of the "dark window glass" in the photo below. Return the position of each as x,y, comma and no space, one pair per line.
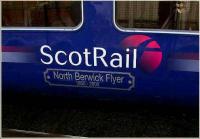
41,13
180,15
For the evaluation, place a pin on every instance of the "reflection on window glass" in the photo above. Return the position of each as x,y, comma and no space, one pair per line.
41,13
180,15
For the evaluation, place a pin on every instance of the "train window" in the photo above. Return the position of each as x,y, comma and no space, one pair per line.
180,15
41,13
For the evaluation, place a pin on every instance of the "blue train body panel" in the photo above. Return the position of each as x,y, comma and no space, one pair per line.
101,62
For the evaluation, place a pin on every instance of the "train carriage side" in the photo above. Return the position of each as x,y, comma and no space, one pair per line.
101,50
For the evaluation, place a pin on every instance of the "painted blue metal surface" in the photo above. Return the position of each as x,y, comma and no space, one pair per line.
173,80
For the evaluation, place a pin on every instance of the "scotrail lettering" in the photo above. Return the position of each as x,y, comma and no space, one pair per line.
94,58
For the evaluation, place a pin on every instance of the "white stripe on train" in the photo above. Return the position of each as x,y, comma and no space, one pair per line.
188,65
183,65
18,57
